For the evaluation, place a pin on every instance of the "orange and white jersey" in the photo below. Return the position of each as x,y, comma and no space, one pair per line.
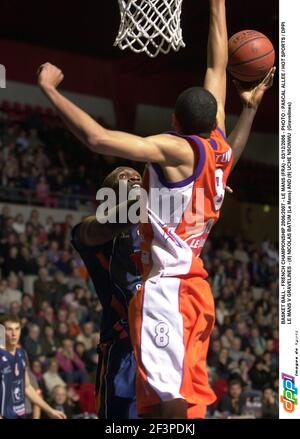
172,314
181,215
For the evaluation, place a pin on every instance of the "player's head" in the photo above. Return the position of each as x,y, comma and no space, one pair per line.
195,112
12,326
129,175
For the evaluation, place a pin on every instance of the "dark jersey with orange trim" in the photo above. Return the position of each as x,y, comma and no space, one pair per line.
115,275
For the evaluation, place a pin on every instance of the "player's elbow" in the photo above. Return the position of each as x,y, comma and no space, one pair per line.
96,142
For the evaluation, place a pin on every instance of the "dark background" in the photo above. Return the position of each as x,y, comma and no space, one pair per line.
90,27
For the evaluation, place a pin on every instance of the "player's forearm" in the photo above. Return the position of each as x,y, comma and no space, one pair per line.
36,412
34,398
217,50
84,127
238,138
94,232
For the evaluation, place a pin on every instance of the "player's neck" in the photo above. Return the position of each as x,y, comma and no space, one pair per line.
11,349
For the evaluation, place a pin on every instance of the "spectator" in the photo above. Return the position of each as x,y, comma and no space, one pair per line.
257,342
76,280
227,338
19,224
260,375
234,402
65,263
62,332
4,297
59,401
86,336
26,311
222,370
270,409
29,264
214,352
14,308
42,192
73,322
36,368
235,353
32,344
51,377
80,351
221,312
49,343
44,288
11,293
71,366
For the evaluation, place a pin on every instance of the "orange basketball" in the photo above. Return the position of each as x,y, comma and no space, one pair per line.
250,55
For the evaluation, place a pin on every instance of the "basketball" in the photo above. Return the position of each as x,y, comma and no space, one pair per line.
250,55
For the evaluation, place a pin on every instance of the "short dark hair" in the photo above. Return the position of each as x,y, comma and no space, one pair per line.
234,382
110,180
196,111
10,318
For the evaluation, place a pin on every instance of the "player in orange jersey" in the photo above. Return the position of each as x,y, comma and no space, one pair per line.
172,315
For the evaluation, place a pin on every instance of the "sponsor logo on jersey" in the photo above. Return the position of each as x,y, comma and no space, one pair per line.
6,370
17,393
19,410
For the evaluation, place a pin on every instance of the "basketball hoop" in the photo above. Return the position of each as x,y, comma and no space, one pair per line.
150,26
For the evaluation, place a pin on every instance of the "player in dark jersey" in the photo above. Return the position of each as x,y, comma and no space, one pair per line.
108,251
14,379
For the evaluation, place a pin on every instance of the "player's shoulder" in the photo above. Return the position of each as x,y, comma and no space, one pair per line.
5,358
174,146
3,352
219,141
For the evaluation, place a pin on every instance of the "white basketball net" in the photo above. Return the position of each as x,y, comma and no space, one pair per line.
150,26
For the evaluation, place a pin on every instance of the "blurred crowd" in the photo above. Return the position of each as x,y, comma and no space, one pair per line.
244,350
44,281
42,164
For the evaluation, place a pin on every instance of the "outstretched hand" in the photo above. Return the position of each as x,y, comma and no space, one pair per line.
251,97
56,414
49,76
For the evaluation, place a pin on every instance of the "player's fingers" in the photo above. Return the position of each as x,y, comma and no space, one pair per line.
41,67
268,80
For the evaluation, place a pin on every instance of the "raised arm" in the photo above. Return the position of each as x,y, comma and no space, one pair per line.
217,57
251,99
94,231
99,139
